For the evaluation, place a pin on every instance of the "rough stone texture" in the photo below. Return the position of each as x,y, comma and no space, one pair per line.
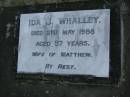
7,3
11,87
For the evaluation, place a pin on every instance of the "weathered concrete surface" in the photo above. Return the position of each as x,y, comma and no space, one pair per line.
7,3
11,87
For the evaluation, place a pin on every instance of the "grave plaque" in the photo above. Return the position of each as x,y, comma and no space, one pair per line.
65,43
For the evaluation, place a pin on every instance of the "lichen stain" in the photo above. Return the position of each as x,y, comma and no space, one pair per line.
96,47
8,32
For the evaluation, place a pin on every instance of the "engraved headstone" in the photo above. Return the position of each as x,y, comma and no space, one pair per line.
65,43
